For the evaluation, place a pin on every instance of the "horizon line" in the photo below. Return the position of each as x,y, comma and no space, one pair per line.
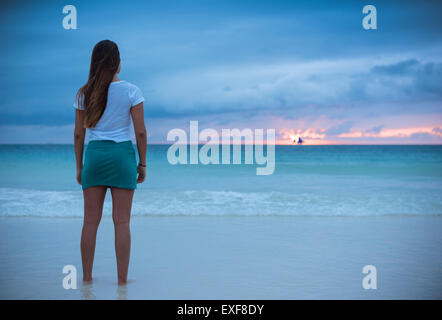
276,144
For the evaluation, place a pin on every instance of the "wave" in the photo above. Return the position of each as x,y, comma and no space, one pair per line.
39,203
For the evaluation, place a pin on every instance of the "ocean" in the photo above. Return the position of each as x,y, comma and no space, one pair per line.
39,180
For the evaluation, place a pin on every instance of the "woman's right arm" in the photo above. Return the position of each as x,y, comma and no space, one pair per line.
137,113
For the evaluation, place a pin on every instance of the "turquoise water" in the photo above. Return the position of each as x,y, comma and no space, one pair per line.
39,180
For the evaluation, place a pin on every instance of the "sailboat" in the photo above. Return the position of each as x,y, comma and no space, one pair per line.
298,140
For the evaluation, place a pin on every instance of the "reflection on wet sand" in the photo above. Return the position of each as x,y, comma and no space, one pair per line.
122,293
87,291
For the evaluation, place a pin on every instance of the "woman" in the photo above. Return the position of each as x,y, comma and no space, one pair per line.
104,107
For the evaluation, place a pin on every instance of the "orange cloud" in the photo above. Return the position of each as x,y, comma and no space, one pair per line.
310,136
393,133
313,136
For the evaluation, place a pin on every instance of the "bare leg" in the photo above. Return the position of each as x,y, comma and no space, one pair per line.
93,209
121,208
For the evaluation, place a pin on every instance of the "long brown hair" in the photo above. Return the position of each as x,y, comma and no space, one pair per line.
105,61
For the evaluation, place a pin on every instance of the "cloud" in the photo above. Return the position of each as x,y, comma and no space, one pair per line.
309,134
395,133
12,134
340,128
399,68
417,79
437,131
375,129
336,87
375,135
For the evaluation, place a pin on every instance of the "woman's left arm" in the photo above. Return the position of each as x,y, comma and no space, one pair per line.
79,134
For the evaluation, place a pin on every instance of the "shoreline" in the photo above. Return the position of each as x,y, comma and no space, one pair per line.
229,257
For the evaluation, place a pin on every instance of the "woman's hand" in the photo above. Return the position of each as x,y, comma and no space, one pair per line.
79,175
141,174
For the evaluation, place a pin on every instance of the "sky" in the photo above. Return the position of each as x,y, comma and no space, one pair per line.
304,68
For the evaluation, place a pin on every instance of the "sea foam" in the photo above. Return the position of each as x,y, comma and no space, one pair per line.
39,203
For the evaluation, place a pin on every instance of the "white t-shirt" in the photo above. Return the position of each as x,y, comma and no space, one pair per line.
115,123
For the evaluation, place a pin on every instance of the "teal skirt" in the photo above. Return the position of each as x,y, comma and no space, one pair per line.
109,163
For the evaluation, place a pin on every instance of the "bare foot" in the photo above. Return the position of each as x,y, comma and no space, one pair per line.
87,280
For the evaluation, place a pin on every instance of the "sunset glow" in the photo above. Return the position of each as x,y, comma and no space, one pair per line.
312,136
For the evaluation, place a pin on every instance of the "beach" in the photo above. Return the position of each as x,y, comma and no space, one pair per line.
229,257
222,232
